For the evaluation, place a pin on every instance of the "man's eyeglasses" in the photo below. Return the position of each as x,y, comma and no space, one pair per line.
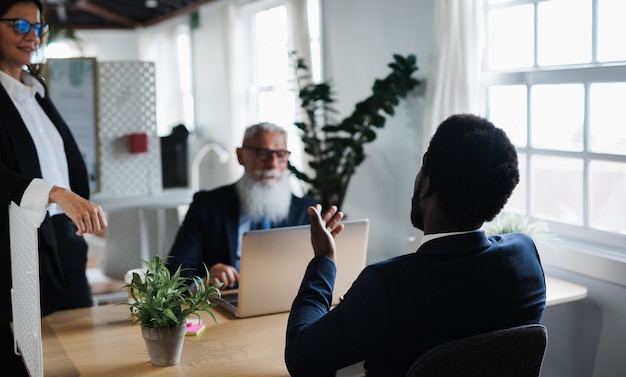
22,26
264,154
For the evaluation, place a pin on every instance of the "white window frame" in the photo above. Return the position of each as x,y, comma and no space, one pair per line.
585,74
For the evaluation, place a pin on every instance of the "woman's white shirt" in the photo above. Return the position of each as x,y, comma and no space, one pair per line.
48,143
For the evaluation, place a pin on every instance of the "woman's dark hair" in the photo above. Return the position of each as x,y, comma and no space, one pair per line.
472,167
5,5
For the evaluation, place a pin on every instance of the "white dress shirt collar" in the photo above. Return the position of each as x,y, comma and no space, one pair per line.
19,90
433,236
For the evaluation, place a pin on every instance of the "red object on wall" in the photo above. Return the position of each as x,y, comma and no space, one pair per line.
138,143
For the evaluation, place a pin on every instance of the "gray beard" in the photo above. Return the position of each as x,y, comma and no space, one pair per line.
259,200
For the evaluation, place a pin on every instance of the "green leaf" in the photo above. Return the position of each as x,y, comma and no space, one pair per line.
162,299
335,149
369,135
388,109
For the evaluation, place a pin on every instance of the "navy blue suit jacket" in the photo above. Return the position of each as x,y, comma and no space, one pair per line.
451,287
210,231
19,164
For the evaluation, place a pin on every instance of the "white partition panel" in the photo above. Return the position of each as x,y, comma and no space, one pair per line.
25,292
127,105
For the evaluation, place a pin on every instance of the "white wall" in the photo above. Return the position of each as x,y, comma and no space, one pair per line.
586,338
210,49
359,39
109,45
211,91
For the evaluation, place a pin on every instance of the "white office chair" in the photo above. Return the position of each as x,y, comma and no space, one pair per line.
511,352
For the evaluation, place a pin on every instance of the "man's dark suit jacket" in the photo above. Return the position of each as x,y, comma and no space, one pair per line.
210,231
19,164
451,287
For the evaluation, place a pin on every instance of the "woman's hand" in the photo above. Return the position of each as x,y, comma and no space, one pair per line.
87,216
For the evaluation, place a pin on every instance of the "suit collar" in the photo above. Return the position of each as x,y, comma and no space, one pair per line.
455,244
25,154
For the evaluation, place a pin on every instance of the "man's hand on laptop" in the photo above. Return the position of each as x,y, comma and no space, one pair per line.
225,274
324,228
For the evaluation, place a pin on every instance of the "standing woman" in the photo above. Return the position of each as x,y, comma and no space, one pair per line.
42,170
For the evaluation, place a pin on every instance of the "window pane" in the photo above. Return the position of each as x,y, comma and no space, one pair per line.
607,183
557,117
277,107
507,110
517,201
271,26
313,18
607,118
272,50
510,37
557,187
564,32
611,30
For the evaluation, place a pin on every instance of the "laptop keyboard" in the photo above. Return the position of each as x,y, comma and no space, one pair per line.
233,298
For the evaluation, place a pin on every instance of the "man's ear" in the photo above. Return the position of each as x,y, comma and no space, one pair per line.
425,189
239,152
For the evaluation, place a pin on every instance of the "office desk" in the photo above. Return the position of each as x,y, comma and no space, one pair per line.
168,199
99,341
560,291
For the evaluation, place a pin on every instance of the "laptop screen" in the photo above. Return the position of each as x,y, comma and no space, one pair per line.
273,263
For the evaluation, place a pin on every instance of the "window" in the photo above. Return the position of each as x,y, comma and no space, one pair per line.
273,82
273,91
555,81
183,47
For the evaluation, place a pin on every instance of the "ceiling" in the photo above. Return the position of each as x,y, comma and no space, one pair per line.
114,14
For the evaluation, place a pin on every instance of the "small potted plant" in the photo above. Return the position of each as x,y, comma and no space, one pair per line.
511,222
162,302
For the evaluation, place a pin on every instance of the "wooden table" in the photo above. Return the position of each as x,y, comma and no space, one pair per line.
100,341
560,291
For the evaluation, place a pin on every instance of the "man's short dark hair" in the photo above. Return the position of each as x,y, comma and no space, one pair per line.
472,166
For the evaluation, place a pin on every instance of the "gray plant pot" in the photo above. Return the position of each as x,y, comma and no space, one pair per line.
164,345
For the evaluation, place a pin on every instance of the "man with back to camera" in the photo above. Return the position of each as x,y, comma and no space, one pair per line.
262,198
458,283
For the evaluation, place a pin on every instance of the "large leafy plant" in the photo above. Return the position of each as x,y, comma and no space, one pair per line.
335,149
161,299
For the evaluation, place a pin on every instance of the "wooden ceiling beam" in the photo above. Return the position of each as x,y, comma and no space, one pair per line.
95,9
187,9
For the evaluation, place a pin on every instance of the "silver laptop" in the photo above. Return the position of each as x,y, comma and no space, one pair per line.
273,262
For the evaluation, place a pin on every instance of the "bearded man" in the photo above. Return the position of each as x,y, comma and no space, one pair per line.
260,199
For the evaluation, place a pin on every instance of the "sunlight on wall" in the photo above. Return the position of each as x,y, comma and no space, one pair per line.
62,50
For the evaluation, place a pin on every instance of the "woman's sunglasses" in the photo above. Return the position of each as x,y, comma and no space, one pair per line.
21,26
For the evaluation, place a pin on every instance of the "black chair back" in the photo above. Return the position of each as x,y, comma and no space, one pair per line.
511,352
